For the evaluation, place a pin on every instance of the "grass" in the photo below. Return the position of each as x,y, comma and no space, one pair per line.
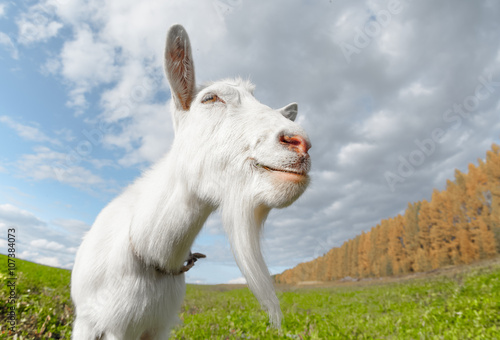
465,306
459,305
43,305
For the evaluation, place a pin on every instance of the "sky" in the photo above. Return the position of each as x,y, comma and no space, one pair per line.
395,95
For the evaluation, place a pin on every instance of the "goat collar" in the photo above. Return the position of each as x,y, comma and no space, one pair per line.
190,261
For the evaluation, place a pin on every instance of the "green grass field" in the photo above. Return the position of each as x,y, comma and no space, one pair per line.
454,304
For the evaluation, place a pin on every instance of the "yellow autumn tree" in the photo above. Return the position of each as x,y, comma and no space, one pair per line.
396,246
425,224
410,235
492,169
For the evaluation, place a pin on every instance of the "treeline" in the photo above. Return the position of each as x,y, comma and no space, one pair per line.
460,224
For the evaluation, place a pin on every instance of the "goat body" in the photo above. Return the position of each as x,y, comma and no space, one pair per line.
230,153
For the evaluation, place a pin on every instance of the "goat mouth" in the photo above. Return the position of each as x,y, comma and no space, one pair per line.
286,171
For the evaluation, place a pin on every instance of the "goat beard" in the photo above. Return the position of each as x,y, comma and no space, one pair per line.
243,219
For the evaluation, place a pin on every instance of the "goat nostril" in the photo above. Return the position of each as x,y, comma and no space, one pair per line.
289,140
296,143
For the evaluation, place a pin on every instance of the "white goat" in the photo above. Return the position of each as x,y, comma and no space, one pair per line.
230,153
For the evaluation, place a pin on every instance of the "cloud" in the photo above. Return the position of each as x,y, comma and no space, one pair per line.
49,245
26,254
50,261
3,9
7,43
65,134
239,280
75,227
52,66
53,243
11,215
69,167
68,266
86,62
362,116
363,113
35,25
66,168
124,51
354,153
27,132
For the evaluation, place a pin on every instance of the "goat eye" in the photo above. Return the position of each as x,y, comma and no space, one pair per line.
211,98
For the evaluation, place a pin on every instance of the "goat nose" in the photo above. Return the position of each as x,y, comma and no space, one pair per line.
296,143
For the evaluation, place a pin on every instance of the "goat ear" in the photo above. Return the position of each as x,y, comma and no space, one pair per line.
289,111
179,67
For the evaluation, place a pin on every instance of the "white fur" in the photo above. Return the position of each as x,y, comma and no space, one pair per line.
220,159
